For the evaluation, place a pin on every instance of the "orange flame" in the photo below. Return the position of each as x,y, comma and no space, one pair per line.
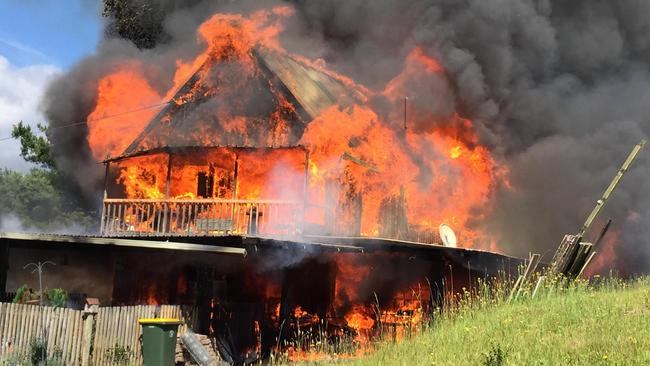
366,172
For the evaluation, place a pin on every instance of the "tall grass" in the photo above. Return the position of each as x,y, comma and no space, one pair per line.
602,322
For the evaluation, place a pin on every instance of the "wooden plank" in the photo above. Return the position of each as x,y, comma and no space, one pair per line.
63,342
112,332
95,344
95,341
121,330
8,328
126,327
117,339
33,316
12,330
515,288
137,352
62,328
2,334
101,339
48,326
69,343
128,338
106,341
538,285
19,325
123,327
30,323
591,256
581,256
97,348
105,329
3,311
79,336
134,333
12,324
18,320
3,317
3,346
74,336
61,334
54,332
15,324
106,335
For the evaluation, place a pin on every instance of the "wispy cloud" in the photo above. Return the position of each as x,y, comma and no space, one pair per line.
21,90
21,47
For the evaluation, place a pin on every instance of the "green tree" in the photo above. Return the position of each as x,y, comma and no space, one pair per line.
39,198
33,148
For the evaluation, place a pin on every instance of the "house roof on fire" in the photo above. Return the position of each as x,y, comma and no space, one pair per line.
308,89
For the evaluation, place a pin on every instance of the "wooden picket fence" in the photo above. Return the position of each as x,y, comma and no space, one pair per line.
21,324
117,332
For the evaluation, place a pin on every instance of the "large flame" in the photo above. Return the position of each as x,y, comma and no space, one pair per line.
425,170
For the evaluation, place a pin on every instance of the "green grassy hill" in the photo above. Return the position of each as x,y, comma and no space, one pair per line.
580,326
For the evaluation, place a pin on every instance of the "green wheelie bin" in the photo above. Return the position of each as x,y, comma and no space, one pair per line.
159,341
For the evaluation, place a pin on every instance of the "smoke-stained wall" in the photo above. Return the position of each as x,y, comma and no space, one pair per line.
76,270
558,90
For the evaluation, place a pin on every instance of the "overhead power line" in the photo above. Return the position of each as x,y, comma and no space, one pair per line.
100,118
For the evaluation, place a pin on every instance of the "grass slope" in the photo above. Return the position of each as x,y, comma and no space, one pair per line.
582,326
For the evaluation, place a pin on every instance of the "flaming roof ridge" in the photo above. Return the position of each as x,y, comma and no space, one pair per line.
309,90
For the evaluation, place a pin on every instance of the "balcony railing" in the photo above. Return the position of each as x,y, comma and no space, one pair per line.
216,217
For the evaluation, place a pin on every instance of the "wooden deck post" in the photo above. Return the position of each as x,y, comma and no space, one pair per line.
236,173
234,191
167,187
102,224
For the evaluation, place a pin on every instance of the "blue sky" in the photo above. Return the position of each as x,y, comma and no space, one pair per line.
57,32
39,39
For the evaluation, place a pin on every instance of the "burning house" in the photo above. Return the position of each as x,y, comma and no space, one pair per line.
268,192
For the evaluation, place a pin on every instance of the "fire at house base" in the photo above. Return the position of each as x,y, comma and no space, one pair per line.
255,295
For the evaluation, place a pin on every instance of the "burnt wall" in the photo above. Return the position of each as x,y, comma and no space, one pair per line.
77,269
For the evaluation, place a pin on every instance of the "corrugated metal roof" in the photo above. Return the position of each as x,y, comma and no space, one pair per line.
314,90
133,243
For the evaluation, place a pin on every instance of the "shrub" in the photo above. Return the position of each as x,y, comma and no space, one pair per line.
57,298
20,293
38,351
119,355
495,357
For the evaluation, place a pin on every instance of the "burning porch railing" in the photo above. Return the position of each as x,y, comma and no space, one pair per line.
216,217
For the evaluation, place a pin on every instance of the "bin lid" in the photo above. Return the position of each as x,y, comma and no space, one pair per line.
169,321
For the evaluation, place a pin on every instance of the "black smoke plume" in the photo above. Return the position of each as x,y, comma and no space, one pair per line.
559,90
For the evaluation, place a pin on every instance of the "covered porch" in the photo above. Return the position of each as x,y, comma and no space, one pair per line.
213,191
